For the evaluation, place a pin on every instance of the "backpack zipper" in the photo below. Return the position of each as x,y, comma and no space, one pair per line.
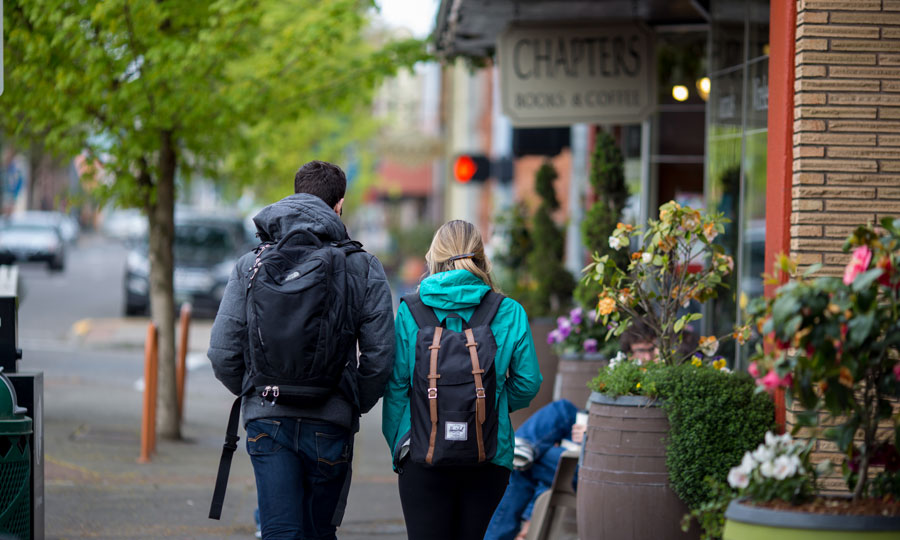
255,267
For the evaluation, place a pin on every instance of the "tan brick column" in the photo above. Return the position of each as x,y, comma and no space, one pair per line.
846,124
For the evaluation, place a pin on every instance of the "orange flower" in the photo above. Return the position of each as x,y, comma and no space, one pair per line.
709,231
846,378
606,306
636,255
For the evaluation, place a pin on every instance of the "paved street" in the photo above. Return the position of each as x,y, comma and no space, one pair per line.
70,327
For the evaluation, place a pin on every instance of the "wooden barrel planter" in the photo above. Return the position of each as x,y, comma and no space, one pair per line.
748,522
573,374
623,483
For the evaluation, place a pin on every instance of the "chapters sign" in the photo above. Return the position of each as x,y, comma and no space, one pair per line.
566,75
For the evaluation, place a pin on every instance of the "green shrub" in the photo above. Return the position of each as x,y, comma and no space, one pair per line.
715,417
553,283
611,192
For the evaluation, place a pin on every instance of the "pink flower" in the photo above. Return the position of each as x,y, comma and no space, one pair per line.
897,371
753,370
772,381
858,264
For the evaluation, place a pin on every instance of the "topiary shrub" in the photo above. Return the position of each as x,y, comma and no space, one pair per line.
715,417
553,284
611,192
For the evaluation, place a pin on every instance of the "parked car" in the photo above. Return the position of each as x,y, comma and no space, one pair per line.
205,249
32,241
67,225
127,225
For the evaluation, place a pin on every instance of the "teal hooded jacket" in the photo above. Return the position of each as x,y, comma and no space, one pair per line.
516,364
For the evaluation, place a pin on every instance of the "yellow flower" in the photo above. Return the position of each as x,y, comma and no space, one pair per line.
696,361
638,386
719,364
606,306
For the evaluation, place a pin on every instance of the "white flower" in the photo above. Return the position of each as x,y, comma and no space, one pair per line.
772,439
763,454
617,359
725,369
767,469
784,467
737,478
646,257
615,242
797,464
748,463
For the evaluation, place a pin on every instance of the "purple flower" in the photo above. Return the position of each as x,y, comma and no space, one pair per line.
564,331
554,337
576,315
590,345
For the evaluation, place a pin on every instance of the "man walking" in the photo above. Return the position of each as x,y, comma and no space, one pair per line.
285,338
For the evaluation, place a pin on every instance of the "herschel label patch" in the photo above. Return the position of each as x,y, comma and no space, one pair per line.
456,431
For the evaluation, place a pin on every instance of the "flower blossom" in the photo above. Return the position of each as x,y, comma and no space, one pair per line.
696,361
763,454
897,371
606,306
615,242
710,232
646,257
784,467
859,263
554,337
753,370
709,345
576,316
590,345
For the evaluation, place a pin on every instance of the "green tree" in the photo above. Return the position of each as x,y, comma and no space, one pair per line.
553,283
611,192
158,88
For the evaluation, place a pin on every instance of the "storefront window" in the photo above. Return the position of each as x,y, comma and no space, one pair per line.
736,152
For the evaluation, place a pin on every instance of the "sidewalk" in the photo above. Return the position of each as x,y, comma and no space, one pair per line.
95,488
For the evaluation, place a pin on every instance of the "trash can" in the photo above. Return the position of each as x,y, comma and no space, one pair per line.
15,465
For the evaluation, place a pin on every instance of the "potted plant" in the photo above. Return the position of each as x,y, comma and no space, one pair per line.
639,409
579,340
834,345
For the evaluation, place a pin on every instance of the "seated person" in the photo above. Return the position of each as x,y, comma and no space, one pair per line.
541,440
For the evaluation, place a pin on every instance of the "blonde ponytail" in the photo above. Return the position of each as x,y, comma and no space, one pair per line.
457,245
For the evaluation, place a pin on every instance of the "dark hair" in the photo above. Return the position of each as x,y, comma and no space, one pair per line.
322,179
637,332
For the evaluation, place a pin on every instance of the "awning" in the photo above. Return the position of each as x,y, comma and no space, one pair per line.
471,27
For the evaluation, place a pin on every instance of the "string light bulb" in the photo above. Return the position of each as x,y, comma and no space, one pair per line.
680,92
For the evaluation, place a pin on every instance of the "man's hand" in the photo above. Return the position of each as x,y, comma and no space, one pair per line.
578,431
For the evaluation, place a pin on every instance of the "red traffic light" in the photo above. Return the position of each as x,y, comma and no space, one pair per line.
471,167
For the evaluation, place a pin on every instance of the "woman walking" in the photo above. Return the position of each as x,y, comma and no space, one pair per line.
464,359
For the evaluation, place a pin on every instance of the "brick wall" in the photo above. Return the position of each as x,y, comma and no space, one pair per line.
846,124
846,134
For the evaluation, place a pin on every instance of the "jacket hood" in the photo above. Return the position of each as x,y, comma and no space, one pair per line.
300,210
452,290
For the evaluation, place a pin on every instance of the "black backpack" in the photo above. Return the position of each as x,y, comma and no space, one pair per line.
301,330
453,410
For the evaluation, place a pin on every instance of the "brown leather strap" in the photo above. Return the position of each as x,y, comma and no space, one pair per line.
432,392
480,411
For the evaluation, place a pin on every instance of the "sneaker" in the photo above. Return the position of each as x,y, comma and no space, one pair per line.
523,455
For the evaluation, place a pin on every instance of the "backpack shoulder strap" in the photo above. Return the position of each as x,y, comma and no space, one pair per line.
487,309
231,440
423,314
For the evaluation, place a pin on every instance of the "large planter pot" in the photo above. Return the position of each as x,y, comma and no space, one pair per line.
573,374
748,522
623,483
547,361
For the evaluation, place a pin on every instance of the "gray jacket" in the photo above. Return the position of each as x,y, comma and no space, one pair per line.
370,298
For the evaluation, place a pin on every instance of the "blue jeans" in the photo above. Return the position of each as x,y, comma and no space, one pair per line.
300,467
544,430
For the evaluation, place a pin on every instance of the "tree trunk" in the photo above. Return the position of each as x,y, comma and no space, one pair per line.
161,214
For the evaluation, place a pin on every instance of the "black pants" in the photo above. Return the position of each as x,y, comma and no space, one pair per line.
450,503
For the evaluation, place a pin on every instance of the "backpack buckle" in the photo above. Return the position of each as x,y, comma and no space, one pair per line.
479,393
432,393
